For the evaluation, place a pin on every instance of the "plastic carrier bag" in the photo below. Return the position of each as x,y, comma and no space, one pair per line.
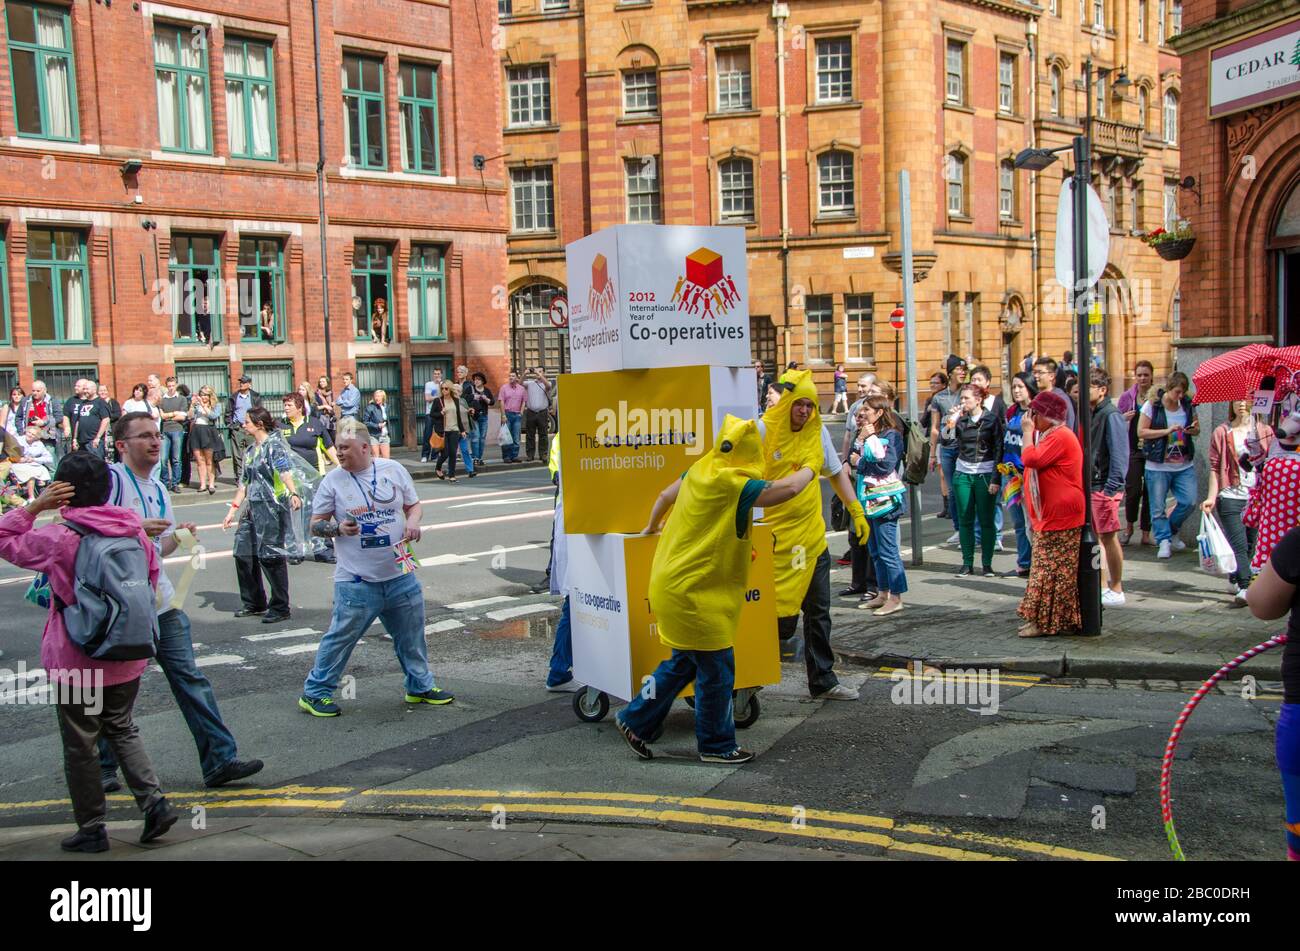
1217,557
281,531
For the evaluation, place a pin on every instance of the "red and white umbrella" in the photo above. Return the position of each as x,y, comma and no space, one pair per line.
1236,375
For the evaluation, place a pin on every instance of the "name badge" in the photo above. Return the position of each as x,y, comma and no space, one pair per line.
376,541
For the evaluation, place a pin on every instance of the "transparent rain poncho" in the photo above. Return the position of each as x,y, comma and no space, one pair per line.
269,527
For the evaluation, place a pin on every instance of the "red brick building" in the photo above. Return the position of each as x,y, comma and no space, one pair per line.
1241,141
159,204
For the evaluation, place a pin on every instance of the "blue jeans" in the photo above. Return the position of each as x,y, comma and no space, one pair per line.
193,693
1023,546
561,671
883,545
1183,484
714,673
399,605
171,457
511,453
948,463
466,456
478,435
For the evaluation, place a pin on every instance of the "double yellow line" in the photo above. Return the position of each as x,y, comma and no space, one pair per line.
796,821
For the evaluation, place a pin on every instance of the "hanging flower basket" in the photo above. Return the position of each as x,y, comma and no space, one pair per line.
1175,250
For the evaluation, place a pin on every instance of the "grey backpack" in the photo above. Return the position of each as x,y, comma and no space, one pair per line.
114,617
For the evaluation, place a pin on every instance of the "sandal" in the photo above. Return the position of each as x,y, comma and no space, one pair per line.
438,473
451,479
1024,631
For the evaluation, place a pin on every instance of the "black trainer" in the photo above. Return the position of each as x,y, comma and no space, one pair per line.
638,745
852,593
736,756
86,840
269,618
109,781
965,571
250,612
162,815
234,771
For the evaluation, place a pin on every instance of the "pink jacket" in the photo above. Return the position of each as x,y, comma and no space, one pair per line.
53,549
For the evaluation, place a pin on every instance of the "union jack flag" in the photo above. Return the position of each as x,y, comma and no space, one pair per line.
406,558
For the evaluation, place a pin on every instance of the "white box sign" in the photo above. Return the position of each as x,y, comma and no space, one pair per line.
658,296
1261,68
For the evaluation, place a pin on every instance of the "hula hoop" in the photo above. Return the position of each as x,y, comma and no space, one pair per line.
1166,768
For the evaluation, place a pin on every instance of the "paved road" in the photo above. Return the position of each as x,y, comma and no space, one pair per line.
877,777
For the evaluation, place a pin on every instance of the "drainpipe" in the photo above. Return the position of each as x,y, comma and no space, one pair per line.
780,12
1031,33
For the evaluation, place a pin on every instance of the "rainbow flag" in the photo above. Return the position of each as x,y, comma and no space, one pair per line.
1014,486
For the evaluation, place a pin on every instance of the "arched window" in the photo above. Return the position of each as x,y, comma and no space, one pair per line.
1171,117
956,183
835,183
534,341
1144,107
736,189
1055,80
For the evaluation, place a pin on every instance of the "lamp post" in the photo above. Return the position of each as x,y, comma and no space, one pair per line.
322,221
1081,297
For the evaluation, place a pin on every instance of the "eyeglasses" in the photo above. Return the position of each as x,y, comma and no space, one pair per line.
152,437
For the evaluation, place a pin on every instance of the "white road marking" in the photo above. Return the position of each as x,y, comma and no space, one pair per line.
439,627
218,660
9,677
280,635
470,605
296,649
466,505
507,613
443,560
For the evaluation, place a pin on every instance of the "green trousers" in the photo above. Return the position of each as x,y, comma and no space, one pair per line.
975,501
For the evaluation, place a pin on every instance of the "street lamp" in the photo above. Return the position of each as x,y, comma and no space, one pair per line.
1036,160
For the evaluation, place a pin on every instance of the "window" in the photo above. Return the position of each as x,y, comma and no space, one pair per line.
734,92
42,70
555,5
1055,82
250,98
1099,97
533,340
956,184
372,269
819,328
181,74
1144,107
1006,83
835,70
860,334
1135,205
425,294
1142,20
736,185
1054,7
640,92
1161,15
530,95
642,175
835,184
1099,14
951,328
58,292
4,300
1176,313
1171,206
955,68
1175,17
260,276
971,325
534,198
1007,190
363,112
417,103
1115,202
194,282
1171,117
503,8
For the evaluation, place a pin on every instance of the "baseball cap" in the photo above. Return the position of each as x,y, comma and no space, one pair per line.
245,379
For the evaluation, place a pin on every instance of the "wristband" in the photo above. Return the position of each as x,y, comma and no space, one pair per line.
234,505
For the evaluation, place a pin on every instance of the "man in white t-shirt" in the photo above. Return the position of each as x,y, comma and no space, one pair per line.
135,487
371,509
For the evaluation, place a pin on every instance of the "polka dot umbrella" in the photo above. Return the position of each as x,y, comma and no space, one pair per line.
1236,375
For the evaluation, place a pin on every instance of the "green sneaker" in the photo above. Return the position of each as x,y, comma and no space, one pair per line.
435,696
318,706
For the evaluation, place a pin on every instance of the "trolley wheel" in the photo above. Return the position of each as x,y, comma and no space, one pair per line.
748,715
590,706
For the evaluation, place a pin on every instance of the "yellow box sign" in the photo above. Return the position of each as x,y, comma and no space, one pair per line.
758,661
624,436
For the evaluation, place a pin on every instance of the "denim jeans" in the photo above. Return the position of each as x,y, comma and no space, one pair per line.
948,463
1240,537
1024,548
714,673
478,435
466,456
193,693
561,671
511,453
171,457
883,543
1159,484
399,606
426,451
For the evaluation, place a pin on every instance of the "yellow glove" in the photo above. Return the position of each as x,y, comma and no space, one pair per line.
860,527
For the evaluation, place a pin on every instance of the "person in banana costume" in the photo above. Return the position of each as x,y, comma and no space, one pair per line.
793,435
697,586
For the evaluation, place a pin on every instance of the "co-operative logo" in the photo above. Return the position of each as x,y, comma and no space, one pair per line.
704,289
601,299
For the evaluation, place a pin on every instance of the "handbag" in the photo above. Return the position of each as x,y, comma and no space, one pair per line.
436,441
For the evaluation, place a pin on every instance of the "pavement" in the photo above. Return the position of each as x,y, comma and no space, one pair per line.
1178,623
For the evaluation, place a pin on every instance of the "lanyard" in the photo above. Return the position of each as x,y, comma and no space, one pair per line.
144,504
374,490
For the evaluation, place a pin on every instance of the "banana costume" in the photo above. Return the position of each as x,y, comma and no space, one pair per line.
798,529
701,565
